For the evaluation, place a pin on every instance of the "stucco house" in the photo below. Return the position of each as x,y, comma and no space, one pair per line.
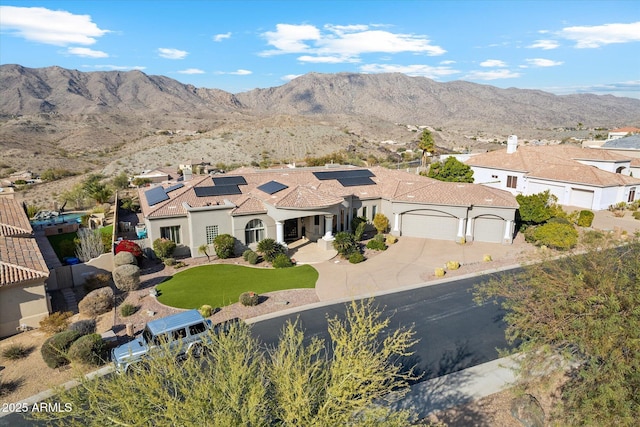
622,132
580,177
23,272
314,203
628,146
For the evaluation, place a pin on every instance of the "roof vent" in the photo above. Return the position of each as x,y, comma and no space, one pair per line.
512,144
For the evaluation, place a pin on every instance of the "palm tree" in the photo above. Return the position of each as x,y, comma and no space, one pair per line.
203,249
427,146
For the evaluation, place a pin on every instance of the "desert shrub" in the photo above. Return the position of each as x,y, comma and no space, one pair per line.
84,327
282,261
636,215
163,248
245,254
126,277
55,322
559,220
379,237
345,243
269,249
97,281
124,258
586,218
88,350
376,244
169,262
16,352
359,231
439,272
618,209
593,237
381,223
129,246
634,206
224,246
249,299
356,258
206,310
453,265
487,258
357,220
127,310
390,240
96,302
555,235
54,350
253,258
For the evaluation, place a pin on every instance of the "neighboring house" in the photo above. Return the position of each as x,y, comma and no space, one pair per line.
196,165
581,177
157,176
314,203
622,132
628,146
23,272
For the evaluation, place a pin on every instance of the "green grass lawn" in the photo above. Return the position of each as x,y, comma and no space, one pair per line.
221,284
64,246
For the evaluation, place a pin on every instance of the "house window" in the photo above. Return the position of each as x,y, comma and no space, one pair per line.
354,213
364,211
374,209
253,232
632,194
212,233
512,181
171,233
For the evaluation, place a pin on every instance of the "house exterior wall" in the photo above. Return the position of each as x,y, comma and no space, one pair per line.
153,232
25,303
607,166
239,224
199,219
496,178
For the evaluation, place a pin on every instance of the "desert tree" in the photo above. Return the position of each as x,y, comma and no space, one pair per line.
381,223
89,244
451,170
204,250
583,309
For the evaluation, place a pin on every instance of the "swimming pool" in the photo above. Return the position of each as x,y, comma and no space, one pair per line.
60,219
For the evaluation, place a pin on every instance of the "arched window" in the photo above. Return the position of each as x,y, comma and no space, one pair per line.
620,169
253,232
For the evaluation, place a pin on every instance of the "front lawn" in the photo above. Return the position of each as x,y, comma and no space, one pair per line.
221,284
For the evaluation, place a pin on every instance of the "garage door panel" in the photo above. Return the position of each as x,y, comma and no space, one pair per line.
488,230
429,226
556,190
581,198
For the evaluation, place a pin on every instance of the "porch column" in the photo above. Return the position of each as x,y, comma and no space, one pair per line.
507,231
328,227
279,232
460,228
396,222
469,230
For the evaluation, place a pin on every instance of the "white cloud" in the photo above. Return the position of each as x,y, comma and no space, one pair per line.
56,27
239,72
169,53
220,37
541,62
347,42
86,52
544,44
191,71
116,67
449,62
417,70
493,63
600,35
492,75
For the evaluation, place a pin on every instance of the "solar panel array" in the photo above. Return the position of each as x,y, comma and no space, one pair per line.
229,180
350,178
217,190
272,187
156,195
173,188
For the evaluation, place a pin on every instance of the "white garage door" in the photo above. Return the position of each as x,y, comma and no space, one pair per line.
556,190
581,198
429,225
487,229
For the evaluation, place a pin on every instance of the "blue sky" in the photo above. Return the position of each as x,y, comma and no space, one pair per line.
559,46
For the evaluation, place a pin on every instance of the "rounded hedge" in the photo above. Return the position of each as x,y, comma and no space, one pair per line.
84,327
54,350
124,258
253,258
282,261
376,245
96,302
356,258
206,310
554,235
585,219
127,277
88,350
249,299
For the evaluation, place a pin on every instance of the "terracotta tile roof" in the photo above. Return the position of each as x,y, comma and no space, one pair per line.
305,191
628,129
557,163
20,256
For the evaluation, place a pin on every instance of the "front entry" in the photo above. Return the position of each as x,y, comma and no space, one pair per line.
291,230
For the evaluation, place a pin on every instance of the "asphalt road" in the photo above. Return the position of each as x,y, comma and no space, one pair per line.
455,333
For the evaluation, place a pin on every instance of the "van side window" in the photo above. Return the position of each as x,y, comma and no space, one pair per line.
196,329
160,339
179,334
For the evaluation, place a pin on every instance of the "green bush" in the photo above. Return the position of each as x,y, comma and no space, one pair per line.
124,258
249,299
169,262
356,258
345,243
376,244
16,352
270,249
586,218
126,277
224,246
245,254
559,220
88,350
206,310
381,223
253,258
127,310
379,237
636,215
282,261
359,231
390,240
54,350
554,235
55,322
84,327
163,247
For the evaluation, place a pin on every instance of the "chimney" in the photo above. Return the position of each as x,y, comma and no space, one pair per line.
512,144
186,174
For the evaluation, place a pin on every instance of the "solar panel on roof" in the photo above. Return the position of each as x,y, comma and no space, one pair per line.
155,196
357,173
358,180
173,188
229,180
272,187
217,190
